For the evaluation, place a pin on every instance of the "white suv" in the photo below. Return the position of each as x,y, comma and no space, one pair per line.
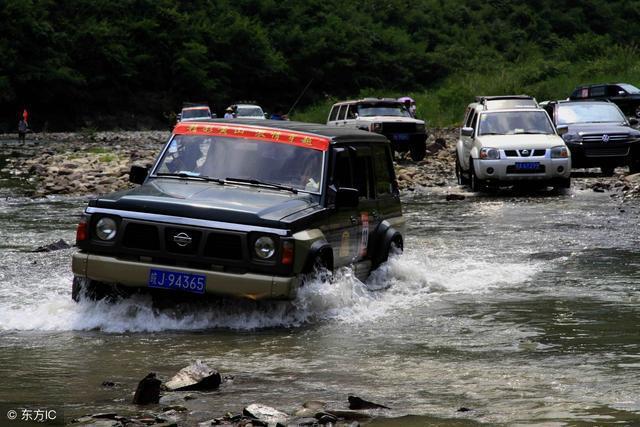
510,139
386,116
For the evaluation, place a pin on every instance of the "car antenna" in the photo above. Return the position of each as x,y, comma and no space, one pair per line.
300,96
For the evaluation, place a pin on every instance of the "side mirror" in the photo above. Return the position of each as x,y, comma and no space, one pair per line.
621,93
347,198
466,131
137,174
179,116
562,130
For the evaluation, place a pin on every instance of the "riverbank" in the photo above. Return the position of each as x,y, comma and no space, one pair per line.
87,163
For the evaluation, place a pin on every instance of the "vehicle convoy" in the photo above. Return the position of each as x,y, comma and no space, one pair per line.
598,134
385,116
507,140
243,209
192,112
624,95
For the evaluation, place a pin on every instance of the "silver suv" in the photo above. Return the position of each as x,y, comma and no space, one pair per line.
386,116
510,139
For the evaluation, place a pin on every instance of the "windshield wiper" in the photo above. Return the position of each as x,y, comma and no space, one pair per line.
190,175
258,182
531,132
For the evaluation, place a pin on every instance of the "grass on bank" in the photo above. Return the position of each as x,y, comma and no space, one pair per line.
443,103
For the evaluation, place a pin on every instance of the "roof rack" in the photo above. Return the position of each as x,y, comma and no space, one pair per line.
507,101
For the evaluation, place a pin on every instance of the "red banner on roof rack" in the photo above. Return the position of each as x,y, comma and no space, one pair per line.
251,132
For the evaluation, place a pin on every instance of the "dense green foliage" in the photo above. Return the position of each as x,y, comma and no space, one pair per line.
131,63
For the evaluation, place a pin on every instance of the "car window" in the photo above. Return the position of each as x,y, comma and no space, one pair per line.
598,91
351,112
394,109
341,112
249,112
629,88
588,113
363,179
470,116
245,158
515,122
334,113
341,176
195,112
382,165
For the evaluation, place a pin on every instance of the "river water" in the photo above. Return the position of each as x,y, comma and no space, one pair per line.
522,308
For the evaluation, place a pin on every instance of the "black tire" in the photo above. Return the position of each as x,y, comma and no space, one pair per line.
607,170
418,150
395,247
477,184
562,184
634,167
462,180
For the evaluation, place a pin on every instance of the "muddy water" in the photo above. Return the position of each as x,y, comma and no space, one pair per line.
524,309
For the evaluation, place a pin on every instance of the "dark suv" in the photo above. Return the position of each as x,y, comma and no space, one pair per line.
243,209
624,95
597,134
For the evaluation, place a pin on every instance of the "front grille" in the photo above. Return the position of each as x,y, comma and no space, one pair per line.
603,151
612,137
224,246
398,127
182,241
524,153
141,236
512,170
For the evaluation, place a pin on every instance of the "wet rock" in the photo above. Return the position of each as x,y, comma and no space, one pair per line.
314,404
148,390
265,413
350,415
197,376
110,384
176,408
463,409
453,196
307,421
357,403
326,418
60,244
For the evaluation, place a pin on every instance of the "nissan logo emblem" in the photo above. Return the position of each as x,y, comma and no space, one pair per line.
182,239
525,152
605,138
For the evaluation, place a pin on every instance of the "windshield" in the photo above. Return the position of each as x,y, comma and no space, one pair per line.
244,159
370,110
629,88
250,112
195,112
515,122
588,113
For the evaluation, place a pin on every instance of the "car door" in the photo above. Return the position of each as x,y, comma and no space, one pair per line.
467,141
367,213
331,121
387,194
350,118
343,227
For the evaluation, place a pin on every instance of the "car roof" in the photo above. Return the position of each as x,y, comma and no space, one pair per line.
247,105
199,107
369,100
334,133
582,101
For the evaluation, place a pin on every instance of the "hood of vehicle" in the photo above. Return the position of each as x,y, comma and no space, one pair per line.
519,141
240,204
389,119
602,128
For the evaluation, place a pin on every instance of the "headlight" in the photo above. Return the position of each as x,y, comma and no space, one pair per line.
560,152
264,247
489,153
106,228
420,127
571,137
376,127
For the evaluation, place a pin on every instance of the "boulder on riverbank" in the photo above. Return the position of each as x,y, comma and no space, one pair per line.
197,376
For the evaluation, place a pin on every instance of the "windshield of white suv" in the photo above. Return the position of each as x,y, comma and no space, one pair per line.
250,112
588,113
193,113
629,88
380,109
243,160
515,122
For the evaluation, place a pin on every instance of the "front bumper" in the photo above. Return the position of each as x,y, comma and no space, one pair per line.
135,274
609,154
403,140
504,169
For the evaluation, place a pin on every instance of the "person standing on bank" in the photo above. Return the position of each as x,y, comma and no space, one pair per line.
23,127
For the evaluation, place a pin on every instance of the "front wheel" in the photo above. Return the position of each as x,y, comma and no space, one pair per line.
634,167
461,179
418,150
92,290
607,170
477,184
562,183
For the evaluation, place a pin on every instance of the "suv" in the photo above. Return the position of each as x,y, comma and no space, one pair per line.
243,209
385,116
510,139
192,112
624,95
598,134
248,111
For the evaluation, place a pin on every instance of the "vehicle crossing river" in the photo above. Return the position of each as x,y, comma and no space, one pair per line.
521,308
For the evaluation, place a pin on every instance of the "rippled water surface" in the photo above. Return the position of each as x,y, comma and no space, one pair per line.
523,309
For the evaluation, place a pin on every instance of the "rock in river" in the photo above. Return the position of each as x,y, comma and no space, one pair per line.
357,403
265,413
148,390
197,376
60,244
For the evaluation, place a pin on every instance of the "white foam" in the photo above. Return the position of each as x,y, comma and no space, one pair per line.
415,278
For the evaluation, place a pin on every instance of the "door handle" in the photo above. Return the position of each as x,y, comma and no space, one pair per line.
354,220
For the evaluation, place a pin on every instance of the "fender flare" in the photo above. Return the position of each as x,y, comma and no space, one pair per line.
320,248
385,234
